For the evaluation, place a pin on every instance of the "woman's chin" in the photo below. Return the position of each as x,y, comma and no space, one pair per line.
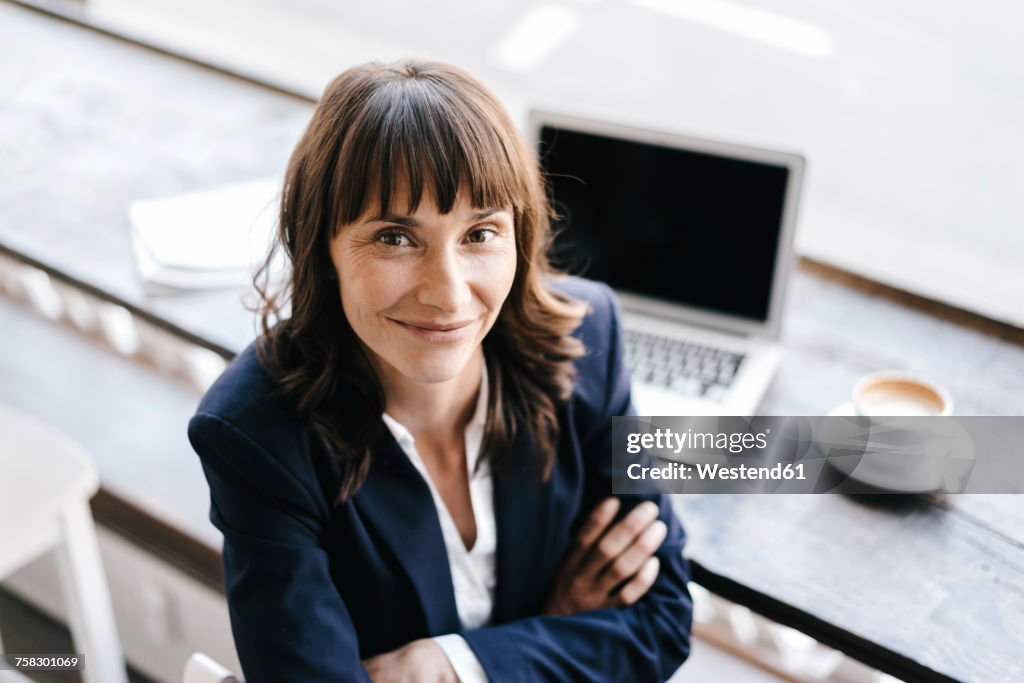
433,370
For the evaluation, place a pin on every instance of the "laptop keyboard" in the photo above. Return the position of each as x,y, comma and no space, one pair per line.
686,367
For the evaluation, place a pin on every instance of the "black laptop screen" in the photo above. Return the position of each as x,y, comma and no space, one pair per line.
678,225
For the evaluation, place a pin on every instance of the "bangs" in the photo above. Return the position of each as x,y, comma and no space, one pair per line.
420,135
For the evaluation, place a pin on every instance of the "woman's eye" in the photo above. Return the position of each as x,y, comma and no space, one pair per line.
393,239
481,235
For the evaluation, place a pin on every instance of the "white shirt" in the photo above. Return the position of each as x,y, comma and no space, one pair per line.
472,571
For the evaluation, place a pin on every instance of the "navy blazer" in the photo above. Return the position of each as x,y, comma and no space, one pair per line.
313,588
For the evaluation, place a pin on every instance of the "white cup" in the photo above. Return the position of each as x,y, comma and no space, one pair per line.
893,393
903,453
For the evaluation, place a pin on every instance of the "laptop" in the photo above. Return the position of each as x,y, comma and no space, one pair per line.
695,237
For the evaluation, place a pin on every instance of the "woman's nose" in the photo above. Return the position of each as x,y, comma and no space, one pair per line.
443,282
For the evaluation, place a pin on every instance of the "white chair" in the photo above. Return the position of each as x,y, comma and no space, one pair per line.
46,481
201,669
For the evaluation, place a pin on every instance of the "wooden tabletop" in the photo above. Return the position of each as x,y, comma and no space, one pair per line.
917,587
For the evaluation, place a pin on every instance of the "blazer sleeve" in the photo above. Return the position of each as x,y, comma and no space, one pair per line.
288,621
646,641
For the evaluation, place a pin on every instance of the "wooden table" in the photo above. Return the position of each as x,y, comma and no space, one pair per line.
922,589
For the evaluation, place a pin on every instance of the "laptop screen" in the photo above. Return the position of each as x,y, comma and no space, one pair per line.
678,225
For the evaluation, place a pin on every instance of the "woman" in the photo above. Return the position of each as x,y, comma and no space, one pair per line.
411,468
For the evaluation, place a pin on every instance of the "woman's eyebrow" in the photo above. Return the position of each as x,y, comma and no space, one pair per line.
410,222
407,221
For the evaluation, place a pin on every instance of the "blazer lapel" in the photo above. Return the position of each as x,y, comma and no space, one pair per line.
396,501
522,509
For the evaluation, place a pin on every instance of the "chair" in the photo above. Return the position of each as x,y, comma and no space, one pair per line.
201,669
46,481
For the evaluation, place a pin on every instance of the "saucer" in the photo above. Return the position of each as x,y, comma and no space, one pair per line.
872,467
842,410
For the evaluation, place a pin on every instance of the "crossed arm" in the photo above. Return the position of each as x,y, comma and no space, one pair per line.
610,565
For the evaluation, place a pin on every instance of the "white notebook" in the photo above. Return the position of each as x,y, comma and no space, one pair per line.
209,238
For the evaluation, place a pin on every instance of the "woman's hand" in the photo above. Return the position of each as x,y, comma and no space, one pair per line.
603,556
421,661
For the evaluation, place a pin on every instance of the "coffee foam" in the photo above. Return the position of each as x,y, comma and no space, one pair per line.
895,397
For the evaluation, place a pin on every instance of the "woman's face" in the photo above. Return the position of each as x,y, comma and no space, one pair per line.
422,290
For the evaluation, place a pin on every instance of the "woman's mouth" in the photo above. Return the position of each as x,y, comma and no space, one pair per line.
437,332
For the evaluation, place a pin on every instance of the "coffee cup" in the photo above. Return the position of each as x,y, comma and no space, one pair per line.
893,393
893,449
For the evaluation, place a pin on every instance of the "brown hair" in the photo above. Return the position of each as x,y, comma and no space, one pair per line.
441,130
